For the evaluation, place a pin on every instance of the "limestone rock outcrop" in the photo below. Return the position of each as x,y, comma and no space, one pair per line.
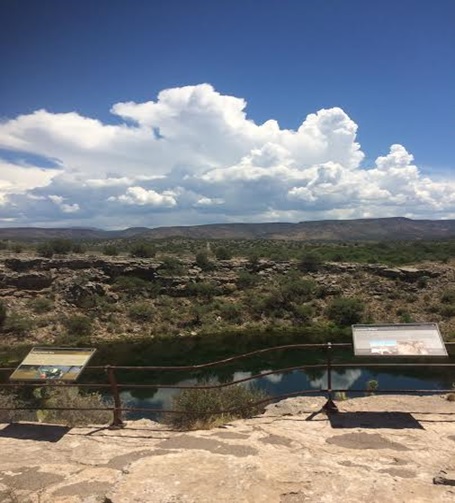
377,449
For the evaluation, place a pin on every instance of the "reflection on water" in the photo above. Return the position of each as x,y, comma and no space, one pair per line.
210,348
289,382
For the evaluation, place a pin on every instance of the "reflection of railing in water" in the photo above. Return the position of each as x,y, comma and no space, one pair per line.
114,387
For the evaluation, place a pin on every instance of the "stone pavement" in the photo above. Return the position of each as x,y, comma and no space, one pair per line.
377,449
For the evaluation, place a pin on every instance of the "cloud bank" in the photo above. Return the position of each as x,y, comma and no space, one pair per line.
193,156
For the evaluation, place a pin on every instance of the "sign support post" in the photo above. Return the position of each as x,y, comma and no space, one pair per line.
330,406
117,422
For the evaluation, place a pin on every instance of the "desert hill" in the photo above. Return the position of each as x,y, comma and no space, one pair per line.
371,229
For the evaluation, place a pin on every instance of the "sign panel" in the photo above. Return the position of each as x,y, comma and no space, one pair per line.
60,364
406,339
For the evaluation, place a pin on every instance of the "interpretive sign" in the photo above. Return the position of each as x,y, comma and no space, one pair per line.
406,339
60,364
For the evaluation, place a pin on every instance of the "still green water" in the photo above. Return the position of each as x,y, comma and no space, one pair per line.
199,350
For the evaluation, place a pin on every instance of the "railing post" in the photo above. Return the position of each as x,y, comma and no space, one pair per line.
330,406
117,412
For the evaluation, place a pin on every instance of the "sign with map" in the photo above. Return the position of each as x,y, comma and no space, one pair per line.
59,364
406,339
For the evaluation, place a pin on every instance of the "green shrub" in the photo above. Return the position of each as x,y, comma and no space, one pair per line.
17,247
10,400
200,408
142,250
171,265
72,397
78,325
3,313
447,311
231,312
133,285
204,289
422,282
7,400
448,297
298,289
62,246
18,324
203,261
141,312
254,259
304,313
78,247
405,316
310,262
41,305
345,311
110,250
222,253
247,279
45,250
130,283
372,386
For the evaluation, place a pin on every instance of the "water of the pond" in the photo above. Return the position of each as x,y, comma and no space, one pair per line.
198,351
277,384
298,381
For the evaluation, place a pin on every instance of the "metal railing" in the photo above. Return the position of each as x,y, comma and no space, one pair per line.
115,387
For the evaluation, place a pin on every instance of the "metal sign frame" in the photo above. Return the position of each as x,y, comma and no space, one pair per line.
55,364
398,340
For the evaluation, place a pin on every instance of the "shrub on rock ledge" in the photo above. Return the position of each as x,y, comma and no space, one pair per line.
199,408
345,311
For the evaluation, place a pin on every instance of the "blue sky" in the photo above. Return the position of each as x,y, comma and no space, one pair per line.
369,75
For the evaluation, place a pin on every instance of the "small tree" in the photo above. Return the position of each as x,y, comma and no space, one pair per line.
110,250
78,325
201,408
345,311
3,313
141,312
78,247
222,253
61,246
247,279
171,265
142,250
45,250
310,262
202,260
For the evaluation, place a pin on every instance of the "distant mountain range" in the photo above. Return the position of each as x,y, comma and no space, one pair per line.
369,229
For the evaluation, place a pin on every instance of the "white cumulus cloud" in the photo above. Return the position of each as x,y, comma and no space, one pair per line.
194,156
141,197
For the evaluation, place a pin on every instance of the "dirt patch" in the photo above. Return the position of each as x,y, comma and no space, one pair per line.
120,462
276,440
30,479
294,497
399,472
206,444
230,434
84,489
365,441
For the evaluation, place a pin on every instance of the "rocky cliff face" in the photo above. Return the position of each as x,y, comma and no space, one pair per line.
377,449
107,290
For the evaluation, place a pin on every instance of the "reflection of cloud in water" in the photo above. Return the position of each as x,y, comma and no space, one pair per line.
273,378
162,398
340,381
241,375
